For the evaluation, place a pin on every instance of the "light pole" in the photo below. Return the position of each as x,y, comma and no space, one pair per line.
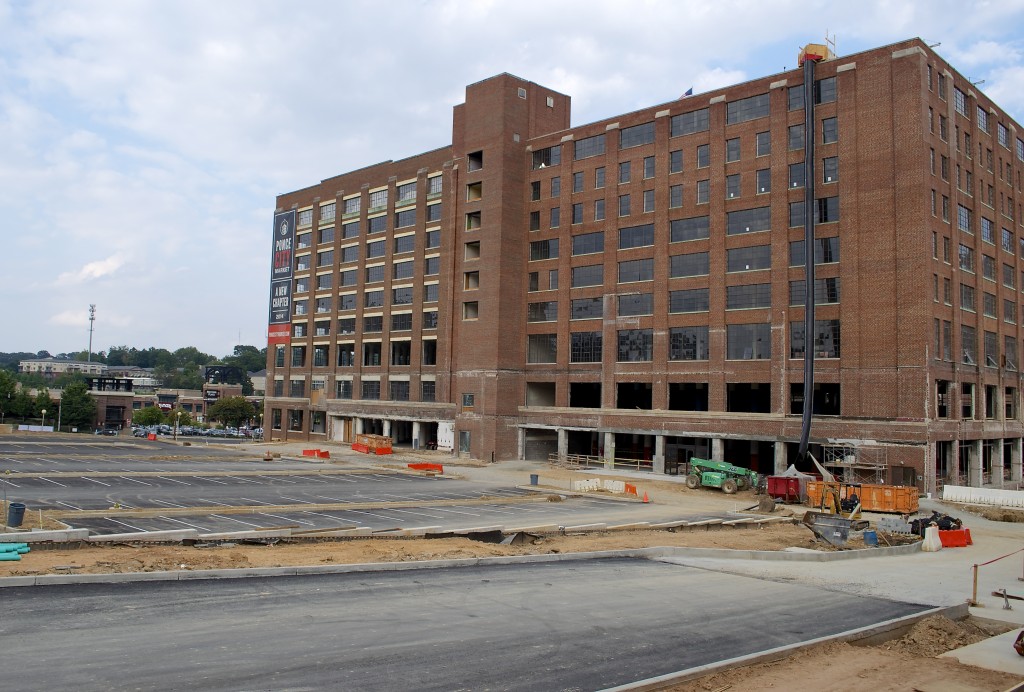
43,424
177,422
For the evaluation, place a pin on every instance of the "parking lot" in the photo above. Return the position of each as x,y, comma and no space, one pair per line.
117,487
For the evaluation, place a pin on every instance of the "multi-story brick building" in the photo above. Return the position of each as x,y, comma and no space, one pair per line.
633,288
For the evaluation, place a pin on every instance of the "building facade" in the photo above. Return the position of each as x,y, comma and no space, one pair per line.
633,289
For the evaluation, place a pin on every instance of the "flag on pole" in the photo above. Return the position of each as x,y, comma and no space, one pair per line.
689,92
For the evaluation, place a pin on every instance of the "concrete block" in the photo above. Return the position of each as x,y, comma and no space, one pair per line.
62,536
141,536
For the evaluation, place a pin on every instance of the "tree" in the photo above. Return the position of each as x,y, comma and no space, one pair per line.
22,405
8,387
249,358
78,408
150,415
180,415
232,410
43,401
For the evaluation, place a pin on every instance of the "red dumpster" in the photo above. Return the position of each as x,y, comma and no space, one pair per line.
785,488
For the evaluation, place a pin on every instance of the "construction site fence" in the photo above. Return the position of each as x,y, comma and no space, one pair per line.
589,461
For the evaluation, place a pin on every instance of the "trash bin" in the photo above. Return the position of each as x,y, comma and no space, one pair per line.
871,538
15,513
534,477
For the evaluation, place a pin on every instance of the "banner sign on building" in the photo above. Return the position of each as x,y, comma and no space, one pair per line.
282,270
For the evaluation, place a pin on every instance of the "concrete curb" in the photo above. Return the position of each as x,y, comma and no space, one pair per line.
655,553
955,612
65,536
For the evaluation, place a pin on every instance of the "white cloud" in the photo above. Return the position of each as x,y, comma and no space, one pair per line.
92,270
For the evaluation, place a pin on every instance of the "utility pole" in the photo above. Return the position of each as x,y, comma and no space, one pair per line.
92,321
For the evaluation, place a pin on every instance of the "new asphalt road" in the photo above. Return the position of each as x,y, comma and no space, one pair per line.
573,625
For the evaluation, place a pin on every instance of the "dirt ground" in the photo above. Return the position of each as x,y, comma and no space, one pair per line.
907,663
151,558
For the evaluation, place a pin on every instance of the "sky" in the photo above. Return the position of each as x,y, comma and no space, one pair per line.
143,143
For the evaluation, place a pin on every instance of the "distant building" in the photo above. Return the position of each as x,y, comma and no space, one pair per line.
52,367
633,289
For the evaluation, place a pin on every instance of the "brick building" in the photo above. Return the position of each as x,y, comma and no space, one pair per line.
633,289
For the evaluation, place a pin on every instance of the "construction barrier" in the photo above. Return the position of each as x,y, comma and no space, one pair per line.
956,538
427,467
983,496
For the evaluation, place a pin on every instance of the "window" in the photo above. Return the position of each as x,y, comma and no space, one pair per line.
688,343
470,310
732,186
960,102
689,300
748,220
967,298
430,319
1010,357
748,341
636,136
748,296
703,191
544,249
988,304
430,292
624,205
379,199
375,273
305,217
585,347
371,388
373,324
474,221
323,305
636,304
325,258
350,230
966,258
648,167
1008,241
377,248
990,341
636,270
796,137
747,109
599,178
298,356
556,186
471,281
404,218
550,156
297,388
829,131
405,243
407,191
399,390
586,308
732,149
327,235
1009,276
556,217
675,161
636,236
694,228
826,291
943,128
588,243
749,258
299,330
635,345
825,341
542,312
688,123
624,172
703,156
301,307
428,390
279,357
323,282
535,190
830,169
320,356
693,264
401,322
401,352
599,210
401,295
577,212
1009,311
764,181
541,348
963,218
591,146
431,266
352,205
434,185
826,251
592,275
429,351
983,120
764,143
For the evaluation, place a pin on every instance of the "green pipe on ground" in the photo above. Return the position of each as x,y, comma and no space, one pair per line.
11,547
9,557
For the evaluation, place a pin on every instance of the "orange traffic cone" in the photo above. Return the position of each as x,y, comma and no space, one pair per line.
646,499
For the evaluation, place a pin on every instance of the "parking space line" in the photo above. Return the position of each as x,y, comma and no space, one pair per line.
336,499
371,514
276,478
297,521
408,511
239,521
77,509
314,480
455,511
214,502
13,485
85,478
179,521
135,480
245,480
169,504
258,502
172,480
133,528
295,499
330,516
51,481
204,478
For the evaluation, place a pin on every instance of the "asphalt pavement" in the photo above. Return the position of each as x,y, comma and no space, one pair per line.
574,625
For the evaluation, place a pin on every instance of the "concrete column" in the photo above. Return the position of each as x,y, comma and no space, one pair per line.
387,428
1015,457
974,463
357,426
521,444
659,454
717,449
417,442
781,458
997,463
563,443
609,450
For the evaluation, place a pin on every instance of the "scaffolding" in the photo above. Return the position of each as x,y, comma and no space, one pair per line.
857,464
